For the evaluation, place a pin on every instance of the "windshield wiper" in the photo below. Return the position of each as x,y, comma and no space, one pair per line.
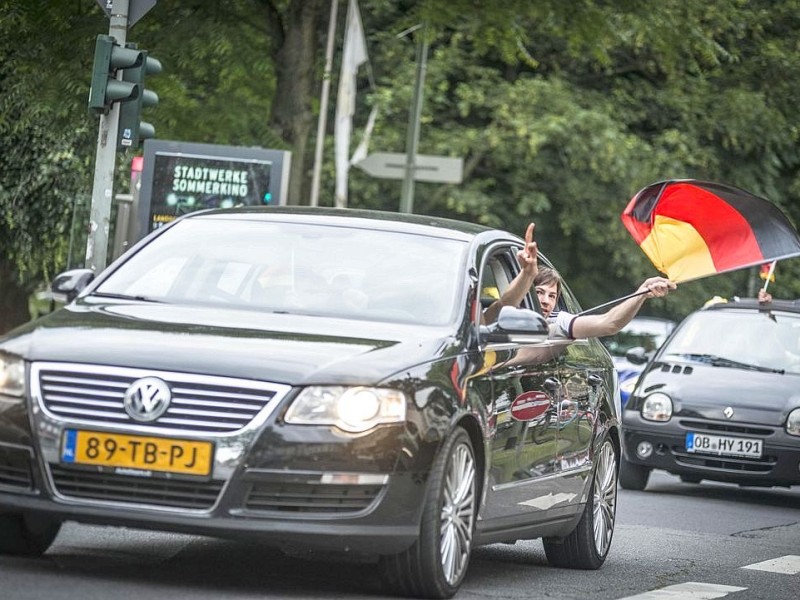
719,361
125,297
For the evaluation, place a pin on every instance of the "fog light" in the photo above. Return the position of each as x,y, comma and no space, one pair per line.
644,449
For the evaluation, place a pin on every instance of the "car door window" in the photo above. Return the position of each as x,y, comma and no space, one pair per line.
498,271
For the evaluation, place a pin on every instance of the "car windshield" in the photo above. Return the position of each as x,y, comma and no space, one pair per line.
647,333
339,271
766,339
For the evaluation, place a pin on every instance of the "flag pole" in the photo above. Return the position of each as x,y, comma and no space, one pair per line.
769,275
611,303
323,105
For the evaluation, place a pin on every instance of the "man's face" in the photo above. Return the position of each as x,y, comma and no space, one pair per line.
548,296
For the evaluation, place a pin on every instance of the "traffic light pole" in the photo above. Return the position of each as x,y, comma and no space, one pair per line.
103,187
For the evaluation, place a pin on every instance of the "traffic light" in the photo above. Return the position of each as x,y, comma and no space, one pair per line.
110,57
131,128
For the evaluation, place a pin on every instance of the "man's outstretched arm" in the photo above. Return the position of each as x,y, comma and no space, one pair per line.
620,315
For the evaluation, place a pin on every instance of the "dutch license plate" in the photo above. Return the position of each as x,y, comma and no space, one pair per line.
724,445
189,457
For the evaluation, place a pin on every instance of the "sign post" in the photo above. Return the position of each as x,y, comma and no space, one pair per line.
136,9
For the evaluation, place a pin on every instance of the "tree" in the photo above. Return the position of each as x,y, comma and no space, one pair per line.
565,113
562,112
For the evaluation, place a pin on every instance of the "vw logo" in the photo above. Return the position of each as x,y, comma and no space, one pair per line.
728,412
147,398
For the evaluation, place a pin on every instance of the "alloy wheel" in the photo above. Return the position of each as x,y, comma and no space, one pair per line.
457,513
605,498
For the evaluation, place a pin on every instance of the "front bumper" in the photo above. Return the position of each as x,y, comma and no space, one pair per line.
779,464
288,486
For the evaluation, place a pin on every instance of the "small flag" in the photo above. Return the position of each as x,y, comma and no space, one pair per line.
768,271
354,54
690,229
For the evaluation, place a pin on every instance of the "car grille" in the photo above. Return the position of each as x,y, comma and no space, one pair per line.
95,395
765,464
137,490
311,497
725,428
15,468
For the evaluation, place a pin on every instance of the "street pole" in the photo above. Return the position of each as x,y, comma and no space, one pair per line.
323,106
103,187
407,192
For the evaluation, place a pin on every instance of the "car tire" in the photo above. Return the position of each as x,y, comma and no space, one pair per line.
586,547
26,535
435,565
633,476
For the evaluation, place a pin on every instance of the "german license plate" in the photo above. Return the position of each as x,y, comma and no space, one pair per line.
189,457
724,445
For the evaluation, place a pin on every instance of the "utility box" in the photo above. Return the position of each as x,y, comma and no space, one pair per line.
182,177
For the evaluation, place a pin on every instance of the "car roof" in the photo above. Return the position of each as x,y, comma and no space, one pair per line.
737,303
375,219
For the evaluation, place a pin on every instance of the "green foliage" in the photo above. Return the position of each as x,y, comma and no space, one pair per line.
597,101
218,78
561,111
42,149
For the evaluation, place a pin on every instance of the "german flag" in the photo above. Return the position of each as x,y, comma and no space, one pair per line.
690,229
767,272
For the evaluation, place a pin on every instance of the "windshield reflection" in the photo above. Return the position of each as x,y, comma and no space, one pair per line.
305,269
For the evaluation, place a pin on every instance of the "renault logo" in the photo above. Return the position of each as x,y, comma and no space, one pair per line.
728,412
147,398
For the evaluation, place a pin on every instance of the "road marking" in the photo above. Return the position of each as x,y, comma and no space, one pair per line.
789,565
687,591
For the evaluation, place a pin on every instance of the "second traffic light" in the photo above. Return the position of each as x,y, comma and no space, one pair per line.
131,128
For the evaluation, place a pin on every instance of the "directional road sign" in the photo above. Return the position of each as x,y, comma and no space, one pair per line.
438,169
136,9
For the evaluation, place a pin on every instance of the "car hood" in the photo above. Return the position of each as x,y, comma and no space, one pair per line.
700,390
280,348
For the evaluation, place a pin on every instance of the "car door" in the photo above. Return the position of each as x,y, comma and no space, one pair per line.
526,388
582,369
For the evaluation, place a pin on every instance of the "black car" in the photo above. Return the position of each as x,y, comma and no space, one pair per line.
720,400
318,380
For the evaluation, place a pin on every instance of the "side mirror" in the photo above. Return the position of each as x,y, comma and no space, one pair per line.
517,326
71,283
637,355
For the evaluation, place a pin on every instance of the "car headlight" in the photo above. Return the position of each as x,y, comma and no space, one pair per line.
793,422
12,375
657,407
352,409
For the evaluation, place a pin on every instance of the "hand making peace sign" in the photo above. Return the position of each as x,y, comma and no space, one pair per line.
528,257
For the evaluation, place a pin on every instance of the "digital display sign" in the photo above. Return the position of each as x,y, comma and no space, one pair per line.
183,184
183,177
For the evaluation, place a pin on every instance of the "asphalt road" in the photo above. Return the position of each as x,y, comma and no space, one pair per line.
691,542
